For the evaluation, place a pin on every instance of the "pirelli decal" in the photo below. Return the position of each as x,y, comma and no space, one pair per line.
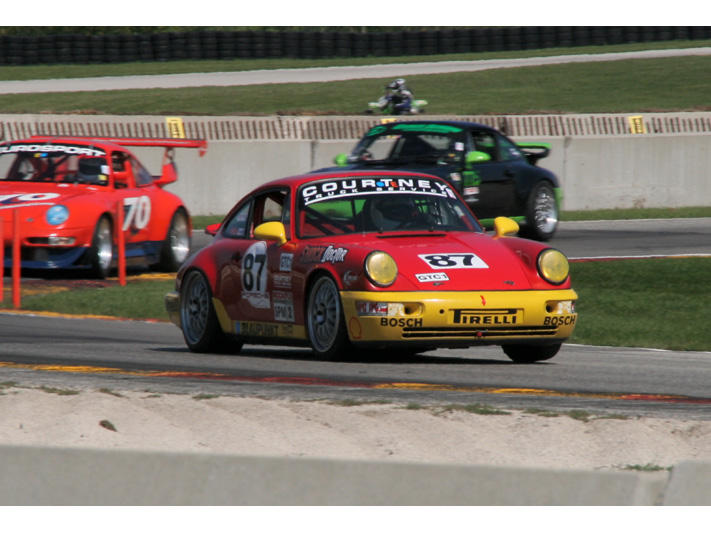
488,317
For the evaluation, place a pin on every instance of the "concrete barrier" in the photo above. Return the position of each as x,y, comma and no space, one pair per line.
80,476
595,172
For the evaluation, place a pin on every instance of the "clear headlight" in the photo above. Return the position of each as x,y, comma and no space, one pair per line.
57,214
553,266
381,269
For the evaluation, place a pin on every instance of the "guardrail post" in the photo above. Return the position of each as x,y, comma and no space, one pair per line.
16,259
121,241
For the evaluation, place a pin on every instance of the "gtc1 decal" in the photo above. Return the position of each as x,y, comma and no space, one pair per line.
254,275
431,278
444,261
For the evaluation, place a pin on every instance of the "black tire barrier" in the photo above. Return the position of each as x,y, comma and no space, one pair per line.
253,44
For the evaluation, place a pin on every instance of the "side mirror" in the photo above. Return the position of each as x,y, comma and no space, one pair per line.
341,160
212,229
271,231
505,227
473,158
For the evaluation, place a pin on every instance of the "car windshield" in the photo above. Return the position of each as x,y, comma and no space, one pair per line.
53,163
408,143
342,206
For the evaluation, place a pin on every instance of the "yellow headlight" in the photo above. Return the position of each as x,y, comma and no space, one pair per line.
381,269
553,266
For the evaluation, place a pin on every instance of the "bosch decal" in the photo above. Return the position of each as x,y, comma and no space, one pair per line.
560,320
401,322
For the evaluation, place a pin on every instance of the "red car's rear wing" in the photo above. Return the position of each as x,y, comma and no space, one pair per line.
200,144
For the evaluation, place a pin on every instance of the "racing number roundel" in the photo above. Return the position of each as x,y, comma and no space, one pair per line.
254,275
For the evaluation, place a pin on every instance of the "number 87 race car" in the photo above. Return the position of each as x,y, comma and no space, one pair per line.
345,261
66,191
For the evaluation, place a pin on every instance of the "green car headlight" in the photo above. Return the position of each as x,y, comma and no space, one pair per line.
381,269
553,266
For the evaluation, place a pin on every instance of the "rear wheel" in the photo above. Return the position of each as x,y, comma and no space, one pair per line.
541,213
521,353
325,322
176,247
101,252
201,329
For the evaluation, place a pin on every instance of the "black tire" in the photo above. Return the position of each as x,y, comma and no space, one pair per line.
176,247
101,252
541,213
522,353
201,329
325,322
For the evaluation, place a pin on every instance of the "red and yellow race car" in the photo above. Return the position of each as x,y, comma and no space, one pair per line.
66,191
343,261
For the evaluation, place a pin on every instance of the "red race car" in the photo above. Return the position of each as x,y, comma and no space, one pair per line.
352,260
66,191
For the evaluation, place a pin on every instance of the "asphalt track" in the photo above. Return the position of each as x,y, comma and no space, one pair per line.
324,74
137,355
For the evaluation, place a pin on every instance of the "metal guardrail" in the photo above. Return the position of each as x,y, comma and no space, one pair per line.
238,128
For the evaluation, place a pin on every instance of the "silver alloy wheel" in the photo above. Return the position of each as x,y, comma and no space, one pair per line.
323,314
179,238
104,249
194,307
545,210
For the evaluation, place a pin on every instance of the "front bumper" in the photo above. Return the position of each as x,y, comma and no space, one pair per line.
461,318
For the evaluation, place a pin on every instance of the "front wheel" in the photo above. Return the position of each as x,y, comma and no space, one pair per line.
201,329
101,252
521,353
541,213
176,246
325,322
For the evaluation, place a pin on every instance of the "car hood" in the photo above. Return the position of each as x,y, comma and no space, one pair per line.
31,195
454,261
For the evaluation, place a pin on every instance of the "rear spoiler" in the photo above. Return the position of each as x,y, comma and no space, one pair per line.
534,151
200,144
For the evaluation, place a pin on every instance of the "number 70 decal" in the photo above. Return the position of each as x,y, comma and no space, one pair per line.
138,213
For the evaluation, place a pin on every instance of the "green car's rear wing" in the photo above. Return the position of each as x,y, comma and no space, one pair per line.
535,151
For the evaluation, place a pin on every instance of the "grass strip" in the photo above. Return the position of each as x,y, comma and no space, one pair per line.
652,303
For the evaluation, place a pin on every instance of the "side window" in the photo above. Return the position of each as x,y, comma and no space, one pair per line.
238,226
485,142
273,206
508,151
143,177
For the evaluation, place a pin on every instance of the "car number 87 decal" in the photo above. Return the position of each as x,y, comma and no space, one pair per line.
464,260
254,276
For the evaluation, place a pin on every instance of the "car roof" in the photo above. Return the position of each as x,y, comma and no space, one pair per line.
456,123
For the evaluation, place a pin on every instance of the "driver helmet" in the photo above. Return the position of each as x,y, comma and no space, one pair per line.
391,211
397,85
